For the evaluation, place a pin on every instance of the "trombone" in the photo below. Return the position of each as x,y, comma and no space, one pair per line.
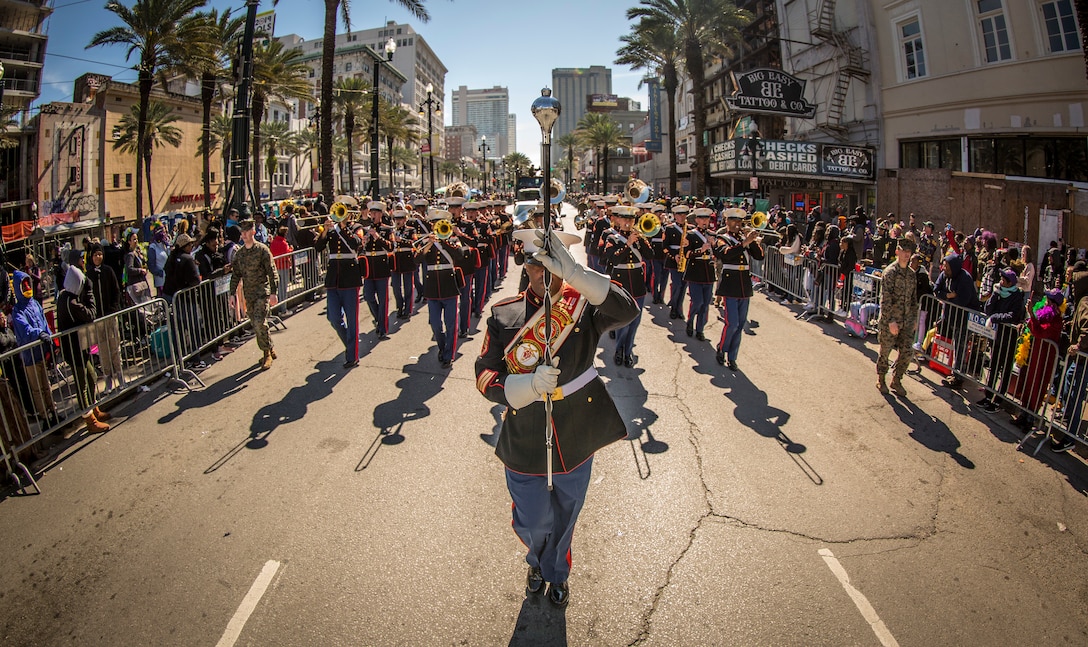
758,222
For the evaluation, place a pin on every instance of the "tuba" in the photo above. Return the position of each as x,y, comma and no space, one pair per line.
556,192
443,229
636,190
649,225
457,190
582,218
338,212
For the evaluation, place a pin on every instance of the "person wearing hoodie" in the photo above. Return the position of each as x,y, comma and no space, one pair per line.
30,325
157,253
76,308
954,285
1007,305
107,300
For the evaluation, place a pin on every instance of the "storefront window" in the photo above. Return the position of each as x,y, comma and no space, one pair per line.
1057,158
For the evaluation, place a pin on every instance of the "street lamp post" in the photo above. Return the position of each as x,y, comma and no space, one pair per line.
462,169
390,47
753,150
238,188
484,148
430,102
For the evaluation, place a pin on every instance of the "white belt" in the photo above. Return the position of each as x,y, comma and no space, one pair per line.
342,257
628,266
572,387
443,266
404,249
734,267
674,247
377,253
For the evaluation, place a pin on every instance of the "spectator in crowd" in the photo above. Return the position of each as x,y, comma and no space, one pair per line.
182,227
260,229
1026,278
157,253
58,268
209,259
1005,312
76,308
1053,269
135,274
281,250
883,246
1076,378
1045,326
182,272
955,286
31,269
848,260
991,274
107,300
970,257
30,325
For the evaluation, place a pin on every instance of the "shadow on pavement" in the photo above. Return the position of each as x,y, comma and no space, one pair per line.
414,390
539,624
212,394
630,395
929,431
291,407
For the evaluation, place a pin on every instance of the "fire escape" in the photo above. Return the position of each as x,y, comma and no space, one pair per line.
849,61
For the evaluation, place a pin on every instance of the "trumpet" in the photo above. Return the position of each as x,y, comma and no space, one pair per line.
636,190
556,192
648,225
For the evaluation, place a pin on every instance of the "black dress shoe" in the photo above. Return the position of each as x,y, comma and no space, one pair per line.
382,336
700,336
558,593
690,330
351,364
629,361
534,581
463,335
618,358
719,357
611,334
447,363
731,365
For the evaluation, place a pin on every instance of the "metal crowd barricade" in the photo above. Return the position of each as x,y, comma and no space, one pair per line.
1063,404
864,306
300,274
202,317
787,273
127,350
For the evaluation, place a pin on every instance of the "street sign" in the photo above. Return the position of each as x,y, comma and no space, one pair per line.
768,91
753,183
426,147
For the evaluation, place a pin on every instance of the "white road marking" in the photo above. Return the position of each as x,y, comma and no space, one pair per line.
249,603
867,611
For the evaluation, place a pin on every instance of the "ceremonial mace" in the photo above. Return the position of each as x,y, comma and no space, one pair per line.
546,110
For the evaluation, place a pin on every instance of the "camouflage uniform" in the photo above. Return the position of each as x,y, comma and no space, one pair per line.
898,303
253,267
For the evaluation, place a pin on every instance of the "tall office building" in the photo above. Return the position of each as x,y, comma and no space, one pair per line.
571,86
489,112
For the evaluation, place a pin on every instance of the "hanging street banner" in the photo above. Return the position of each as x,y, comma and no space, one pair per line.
771,92
653,144
798,159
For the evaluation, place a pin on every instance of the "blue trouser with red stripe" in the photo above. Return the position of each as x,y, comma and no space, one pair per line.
736,315
625,337
403,291
342,311
442,315
544,521
376,295
464,307
699,310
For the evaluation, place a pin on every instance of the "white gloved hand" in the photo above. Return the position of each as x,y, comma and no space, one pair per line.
593,285
523,389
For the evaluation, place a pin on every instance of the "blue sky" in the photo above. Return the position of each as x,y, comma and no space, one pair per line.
483,43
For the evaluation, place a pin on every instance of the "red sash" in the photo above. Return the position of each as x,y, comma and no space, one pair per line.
526,350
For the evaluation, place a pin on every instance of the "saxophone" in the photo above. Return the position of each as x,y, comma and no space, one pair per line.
682,259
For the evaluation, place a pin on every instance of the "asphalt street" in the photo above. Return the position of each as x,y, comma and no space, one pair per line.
787,504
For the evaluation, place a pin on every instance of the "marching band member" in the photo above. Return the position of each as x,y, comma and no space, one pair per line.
468,264
418,219
655,274
377,244
736,282
624,255
699,274
504,224
343,278
675,235
442,287
404,264
480,232
594,235
511,371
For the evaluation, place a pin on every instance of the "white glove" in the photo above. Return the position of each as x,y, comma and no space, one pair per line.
593,285
523,389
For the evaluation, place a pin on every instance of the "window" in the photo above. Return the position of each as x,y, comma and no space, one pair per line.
995,33
1061,158
117,180
128,180
73,175
347,66
1061,26
312,73
938,153
914,57
211,177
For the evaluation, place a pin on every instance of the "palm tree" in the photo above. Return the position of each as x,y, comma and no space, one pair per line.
704,28
275,135
328,51
204,63
397,125
448,169
600,132
350,98
278,75
656,47
569,142
219,133
308,140
518,164
158,132
158,30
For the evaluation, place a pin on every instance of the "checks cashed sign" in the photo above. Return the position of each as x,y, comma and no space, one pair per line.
771,92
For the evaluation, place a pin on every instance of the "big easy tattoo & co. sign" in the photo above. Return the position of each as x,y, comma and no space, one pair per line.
794,158
768,91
